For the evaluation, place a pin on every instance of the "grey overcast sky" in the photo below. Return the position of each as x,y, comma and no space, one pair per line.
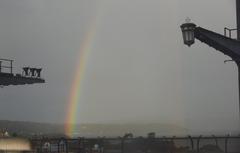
138,70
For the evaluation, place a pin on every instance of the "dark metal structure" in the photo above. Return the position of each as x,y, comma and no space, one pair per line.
223,43
29,75
173,144
238,18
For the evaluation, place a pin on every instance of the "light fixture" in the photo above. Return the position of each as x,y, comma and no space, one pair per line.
32,71
188,30
26,71
38,71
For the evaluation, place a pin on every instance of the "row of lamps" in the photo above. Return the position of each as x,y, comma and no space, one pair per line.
32,72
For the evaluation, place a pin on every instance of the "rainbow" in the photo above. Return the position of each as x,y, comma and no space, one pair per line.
75,93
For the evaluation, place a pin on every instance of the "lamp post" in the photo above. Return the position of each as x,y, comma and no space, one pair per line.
228,46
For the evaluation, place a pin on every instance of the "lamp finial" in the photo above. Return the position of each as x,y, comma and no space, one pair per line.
188,20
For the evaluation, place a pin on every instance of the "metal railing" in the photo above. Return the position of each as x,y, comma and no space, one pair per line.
229,32
8,66
197,144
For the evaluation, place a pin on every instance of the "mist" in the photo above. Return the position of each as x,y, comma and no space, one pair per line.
138,71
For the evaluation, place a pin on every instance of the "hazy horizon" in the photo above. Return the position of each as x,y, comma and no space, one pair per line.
106,130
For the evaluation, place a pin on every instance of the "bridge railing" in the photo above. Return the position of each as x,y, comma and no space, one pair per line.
198,144
231,33
6,64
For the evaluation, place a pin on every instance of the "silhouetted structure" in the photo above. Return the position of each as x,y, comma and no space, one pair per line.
197,144
28,76
222,43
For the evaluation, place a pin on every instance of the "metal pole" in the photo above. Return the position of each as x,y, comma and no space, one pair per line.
198,144
192,143
238,18
226,144
238,65
216,140
11,66
58,146
122,145
0,66
66,141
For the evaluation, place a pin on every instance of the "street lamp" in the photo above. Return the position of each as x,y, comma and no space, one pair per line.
26,71
188,33
222,43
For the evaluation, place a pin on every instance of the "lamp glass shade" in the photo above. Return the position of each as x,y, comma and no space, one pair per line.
188,33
